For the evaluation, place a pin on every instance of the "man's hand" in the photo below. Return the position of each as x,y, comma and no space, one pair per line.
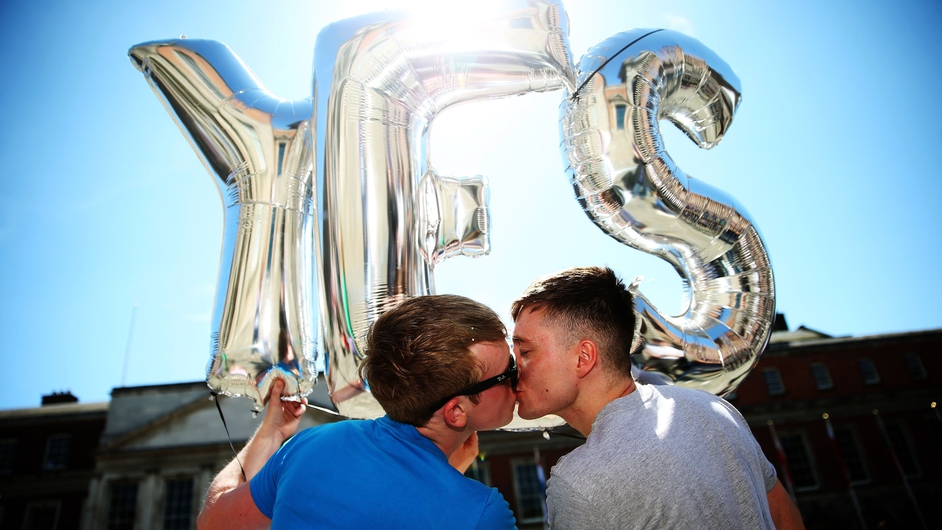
280,423
281,417
464,456
229,504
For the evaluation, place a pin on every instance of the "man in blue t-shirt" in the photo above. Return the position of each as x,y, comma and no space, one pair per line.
441,368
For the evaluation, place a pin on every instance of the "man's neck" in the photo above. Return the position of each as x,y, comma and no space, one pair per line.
592,399
445,438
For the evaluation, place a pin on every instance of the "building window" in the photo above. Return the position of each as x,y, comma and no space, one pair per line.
935,429
869,371
7,453
822,377
178,504
529,491
899,440
849,447
621,111
122,506
479,471
57,451
42,515
916,369
799,462
773,381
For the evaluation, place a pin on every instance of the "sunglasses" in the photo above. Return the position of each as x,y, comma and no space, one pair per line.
481,386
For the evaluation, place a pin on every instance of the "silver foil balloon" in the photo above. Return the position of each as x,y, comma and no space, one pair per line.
629,186
385,216
258,147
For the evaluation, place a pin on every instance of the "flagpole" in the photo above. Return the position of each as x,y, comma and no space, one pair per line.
127,348
541,476
847,480
899,467
782,460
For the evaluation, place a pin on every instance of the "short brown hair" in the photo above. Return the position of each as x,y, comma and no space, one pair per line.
587,302
419,352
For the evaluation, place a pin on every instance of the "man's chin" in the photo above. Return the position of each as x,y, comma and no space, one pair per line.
525,413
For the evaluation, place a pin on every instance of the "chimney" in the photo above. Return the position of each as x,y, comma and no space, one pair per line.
780,324
59,397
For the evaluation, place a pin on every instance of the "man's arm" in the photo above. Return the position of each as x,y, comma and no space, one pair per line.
785,514
229,503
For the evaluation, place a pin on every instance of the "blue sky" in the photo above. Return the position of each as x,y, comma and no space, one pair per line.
103,204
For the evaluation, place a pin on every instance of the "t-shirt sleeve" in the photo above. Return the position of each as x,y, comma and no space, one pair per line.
496,513
768,470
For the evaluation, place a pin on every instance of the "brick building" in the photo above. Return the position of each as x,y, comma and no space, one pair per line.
143,460
856,422
47,460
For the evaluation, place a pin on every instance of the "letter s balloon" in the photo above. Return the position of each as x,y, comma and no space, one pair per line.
628,185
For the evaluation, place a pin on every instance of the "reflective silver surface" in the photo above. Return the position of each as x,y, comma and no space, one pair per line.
385,216
628,185
258,147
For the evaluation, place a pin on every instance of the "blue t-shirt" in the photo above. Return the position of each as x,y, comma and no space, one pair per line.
371,474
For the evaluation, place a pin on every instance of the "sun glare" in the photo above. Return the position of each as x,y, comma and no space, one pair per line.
435,10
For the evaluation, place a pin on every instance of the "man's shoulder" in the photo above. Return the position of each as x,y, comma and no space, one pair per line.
337,429
680,393
675,390
579,460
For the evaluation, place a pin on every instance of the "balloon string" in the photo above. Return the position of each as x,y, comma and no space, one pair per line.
589,77
215,398
547,433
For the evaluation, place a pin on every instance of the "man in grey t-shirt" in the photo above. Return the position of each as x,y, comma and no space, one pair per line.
655,456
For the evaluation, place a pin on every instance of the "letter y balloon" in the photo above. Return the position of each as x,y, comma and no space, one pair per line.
259,149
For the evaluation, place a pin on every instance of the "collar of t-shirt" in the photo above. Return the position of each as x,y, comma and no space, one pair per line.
410,435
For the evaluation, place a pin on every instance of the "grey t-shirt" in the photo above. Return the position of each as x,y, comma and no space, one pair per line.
663,457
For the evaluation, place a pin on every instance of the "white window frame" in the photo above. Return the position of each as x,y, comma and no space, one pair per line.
50,466
28,513
809,456
11,445
620,124
865,373
777,380
110,492
822,376
166,497
514,464
855,440
910,447
914,364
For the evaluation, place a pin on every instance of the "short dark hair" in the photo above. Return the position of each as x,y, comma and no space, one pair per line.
419,352
587,302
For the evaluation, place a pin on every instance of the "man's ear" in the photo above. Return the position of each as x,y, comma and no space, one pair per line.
455,414
588,357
